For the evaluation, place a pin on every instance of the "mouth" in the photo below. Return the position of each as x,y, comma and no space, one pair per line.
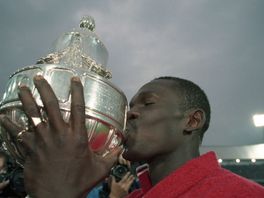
128,132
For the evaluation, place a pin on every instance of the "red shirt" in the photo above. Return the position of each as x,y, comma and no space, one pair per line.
201,177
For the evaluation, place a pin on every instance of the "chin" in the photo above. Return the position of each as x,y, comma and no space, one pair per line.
133,156
126,154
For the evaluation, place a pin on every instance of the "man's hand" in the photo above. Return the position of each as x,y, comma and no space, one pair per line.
120,189
59,162
3,185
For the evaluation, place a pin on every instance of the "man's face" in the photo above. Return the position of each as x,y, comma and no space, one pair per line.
155,122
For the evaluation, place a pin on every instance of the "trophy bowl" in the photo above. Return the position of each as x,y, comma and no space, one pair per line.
77,53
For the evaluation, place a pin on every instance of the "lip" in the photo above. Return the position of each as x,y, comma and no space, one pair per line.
128,136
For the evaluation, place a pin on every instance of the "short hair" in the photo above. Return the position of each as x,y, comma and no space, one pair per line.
193,97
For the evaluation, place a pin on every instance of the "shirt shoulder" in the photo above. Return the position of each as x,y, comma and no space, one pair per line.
135,194
224,183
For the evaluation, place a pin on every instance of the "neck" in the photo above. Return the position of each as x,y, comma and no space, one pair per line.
163,165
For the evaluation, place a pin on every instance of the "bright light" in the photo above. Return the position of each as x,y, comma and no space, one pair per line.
220,160
237,160
253,160
258,120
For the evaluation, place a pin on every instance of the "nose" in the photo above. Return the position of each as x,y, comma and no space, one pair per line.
131,115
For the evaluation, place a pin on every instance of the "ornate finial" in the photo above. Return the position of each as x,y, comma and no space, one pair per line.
87,22
81,49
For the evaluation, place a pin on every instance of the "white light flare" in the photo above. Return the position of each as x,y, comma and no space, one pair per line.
258,120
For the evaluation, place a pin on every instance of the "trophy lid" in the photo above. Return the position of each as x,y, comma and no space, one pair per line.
80,48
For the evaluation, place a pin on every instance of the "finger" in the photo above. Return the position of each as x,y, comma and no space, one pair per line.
78,107
129,182
27,140
13,130
131,178
124,178
32,111
112,158
50,102
121,160
30,107
128,164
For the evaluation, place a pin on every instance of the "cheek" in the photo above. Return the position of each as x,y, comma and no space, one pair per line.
140,145
155,134
160,116
159,133
151,139
157,128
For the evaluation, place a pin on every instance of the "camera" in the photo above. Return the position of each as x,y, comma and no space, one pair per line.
119,171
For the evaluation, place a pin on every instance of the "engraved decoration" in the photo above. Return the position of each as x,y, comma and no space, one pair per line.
77,53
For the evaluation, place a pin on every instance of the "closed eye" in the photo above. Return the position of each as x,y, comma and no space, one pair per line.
148,103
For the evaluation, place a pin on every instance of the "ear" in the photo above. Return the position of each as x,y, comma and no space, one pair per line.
195,120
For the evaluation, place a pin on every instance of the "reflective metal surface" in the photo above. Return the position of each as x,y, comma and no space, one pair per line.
78,53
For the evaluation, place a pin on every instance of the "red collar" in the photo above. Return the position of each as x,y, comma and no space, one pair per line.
184,177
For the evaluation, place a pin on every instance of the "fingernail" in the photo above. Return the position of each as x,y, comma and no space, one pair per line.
76,79
22,87
38,77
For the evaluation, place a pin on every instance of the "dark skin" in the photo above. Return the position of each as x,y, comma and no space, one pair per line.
59,162
159,131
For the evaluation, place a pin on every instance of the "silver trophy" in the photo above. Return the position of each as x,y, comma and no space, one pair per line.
77,53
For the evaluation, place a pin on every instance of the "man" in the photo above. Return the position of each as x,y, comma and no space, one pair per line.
166,123
118,184
11,181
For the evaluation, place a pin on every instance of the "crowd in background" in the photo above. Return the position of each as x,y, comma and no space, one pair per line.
11,178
